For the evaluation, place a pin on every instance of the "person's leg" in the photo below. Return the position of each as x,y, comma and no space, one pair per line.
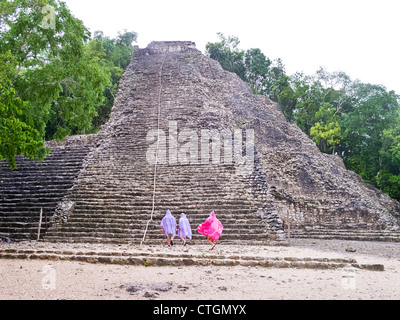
212,242
170,239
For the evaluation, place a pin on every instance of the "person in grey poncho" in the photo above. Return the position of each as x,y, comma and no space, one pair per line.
184,230
168,225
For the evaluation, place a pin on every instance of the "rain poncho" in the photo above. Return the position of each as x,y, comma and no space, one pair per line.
184,230
169,224
211,227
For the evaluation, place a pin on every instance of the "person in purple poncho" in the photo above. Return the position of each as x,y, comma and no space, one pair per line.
168,224
184,230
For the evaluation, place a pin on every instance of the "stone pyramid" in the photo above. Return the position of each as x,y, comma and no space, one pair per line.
187,136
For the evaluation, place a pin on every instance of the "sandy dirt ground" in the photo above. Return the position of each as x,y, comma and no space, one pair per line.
70,280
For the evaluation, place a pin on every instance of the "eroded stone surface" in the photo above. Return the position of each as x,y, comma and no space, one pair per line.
174,87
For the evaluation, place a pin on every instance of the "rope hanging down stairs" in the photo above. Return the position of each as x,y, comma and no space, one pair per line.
157,147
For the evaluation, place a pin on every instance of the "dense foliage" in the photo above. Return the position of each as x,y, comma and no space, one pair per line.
357,121
55,79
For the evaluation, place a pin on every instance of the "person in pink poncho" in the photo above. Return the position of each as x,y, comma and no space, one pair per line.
211,228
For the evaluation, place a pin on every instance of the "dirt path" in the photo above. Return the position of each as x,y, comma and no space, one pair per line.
71,280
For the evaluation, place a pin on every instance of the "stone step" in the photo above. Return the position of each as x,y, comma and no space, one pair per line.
129,224
39,179
38,188
81,234
47,187
181,171
111,197
42,169
23,215
57,154
343,231
21,218
24,229
363,235
160,259
48,177
132,229
138,238
28,205
140,208
132,185
193,219
166,200
49,165
19,200
33,199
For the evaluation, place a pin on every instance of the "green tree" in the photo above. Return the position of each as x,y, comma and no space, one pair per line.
388,178
116,54
286,98
53,77
277,80
309,97
227,53
257,70
373,111
326,136
337,90
16,136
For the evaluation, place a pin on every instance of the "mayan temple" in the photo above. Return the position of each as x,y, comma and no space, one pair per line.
187,136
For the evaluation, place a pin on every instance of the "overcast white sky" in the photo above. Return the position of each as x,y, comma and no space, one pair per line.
359,37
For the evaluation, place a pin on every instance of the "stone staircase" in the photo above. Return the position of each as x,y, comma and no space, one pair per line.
111,213
103,191
34,186
113,195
